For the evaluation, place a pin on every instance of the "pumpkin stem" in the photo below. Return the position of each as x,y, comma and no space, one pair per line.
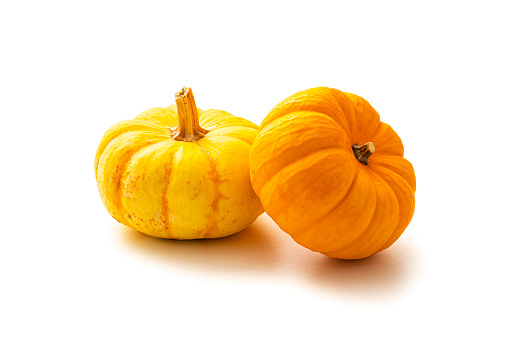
362,153
188,128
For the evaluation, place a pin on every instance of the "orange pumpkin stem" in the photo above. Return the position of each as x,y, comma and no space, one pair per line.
362,153
188,128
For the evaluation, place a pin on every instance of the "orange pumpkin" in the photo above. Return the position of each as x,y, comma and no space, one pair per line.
332,175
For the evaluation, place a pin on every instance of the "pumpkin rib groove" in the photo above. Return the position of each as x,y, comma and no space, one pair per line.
377,168
271,129
318,97
141,171
397,165
349,125
274,125
343,198
395,205
118,130
289,174
132,125
123,168
365,117
298,113
402,182
213,222
165,208
294,161
331,210
362,253
112,177
276,171
365,226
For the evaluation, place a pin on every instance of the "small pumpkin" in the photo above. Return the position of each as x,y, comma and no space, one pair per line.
332,175
179,172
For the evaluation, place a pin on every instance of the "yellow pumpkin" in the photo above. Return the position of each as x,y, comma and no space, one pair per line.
179,172
332,175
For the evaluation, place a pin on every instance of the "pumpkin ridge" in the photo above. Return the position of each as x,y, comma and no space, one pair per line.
136,180
343,198
298,113
165,209
260,149
294,161
288,174
229,136
165,120
154,138
213,222
402,182
331,249
121,168
331,136
365,117
386,160
230,126
377,168
107,176
367,223
359,232
382,132
214,119
269,128
118,129
396,215
349,125
248,125
291,104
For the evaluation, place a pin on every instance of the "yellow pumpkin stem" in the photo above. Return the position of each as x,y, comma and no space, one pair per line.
362,153
188,128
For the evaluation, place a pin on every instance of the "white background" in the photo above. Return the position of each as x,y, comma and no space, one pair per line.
437,71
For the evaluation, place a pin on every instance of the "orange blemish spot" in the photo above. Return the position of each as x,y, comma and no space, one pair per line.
213,174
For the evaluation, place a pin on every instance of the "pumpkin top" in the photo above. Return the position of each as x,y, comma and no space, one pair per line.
180,123
352,113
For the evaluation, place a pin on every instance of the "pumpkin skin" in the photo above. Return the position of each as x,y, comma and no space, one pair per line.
304,168
169,188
